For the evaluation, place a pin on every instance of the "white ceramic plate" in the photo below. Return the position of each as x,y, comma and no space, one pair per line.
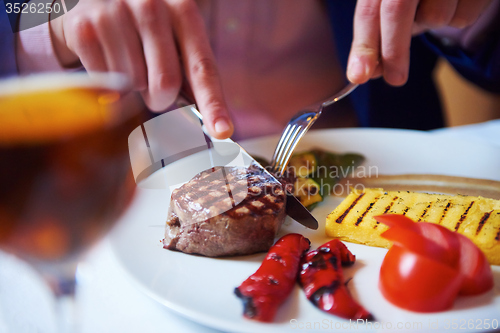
202,288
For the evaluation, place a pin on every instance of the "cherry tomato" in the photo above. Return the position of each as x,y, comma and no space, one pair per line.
429,265
472,263
414,241
397,220
474,267
415,282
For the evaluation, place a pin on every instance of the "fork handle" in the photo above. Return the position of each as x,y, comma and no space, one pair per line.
341,94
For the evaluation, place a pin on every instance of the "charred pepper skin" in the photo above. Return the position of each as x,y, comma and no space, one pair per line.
264,291
322,280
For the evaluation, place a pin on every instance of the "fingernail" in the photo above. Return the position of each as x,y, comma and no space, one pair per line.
357,69
395,78
221,125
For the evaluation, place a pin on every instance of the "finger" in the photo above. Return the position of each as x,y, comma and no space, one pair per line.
83,41
120,44
467,12
418,29
200,67
112,42
396,20
66,55
133,52
433,14
365,49
378,72
164,76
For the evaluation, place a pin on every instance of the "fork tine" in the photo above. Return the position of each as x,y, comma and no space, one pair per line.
280,148
308,119
291,147
287,138
282,158
284,139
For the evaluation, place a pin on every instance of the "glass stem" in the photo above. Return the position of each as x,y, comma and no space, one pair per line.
66,307
62,281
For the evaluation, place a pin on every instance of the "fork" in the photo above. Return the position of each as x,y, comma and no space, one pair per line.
298,126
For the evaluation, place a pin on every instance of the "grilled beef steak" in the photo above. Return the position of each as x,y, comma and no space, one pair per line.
225,211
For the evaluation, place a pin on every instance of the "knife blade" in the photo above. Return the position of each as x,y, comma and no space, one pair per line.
294,207
296,210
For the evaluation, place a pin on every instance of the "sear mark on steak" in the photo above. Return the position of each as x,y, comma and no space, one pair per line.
225,211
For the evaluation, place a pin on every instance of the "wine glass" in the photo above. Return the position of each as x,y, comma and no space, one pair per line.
65,172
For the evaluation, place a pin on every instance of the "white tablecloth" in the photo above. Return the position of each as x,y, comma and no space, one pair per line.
108,299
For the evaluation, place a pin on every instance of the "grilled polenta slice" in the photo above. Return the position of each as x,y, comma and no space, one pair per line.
475,217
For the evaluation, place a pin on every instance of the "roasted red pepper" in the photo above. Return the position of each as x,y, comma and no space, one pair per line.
264,291
322,279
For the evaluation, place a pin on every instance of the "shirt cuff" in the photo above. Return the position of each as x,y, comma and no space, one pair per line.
35,52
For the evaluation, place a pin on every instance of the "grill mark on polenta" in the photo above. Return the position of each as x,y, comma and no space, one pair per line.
405,210
344,214
480,225
389,206
370,206
463,216
424,212
445,211
497,237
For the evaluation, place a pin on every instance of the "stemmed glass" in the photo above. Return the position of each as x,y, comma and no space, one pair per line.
65,173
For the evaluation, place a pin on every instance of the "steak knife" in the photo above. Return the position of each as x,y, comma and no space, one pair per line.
294,207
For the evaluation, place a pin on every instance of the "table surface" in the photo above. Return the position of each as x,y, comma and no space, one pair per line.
108,298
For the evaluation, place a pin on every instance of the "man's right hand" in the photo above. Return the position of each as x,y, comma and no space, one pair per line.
152,41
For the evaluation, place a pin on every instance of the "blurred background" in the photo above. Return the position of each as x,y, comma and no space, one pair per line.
463,102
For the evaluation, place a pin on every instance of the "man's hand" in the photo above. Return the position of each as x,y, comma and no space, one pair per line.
152,41
383,31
